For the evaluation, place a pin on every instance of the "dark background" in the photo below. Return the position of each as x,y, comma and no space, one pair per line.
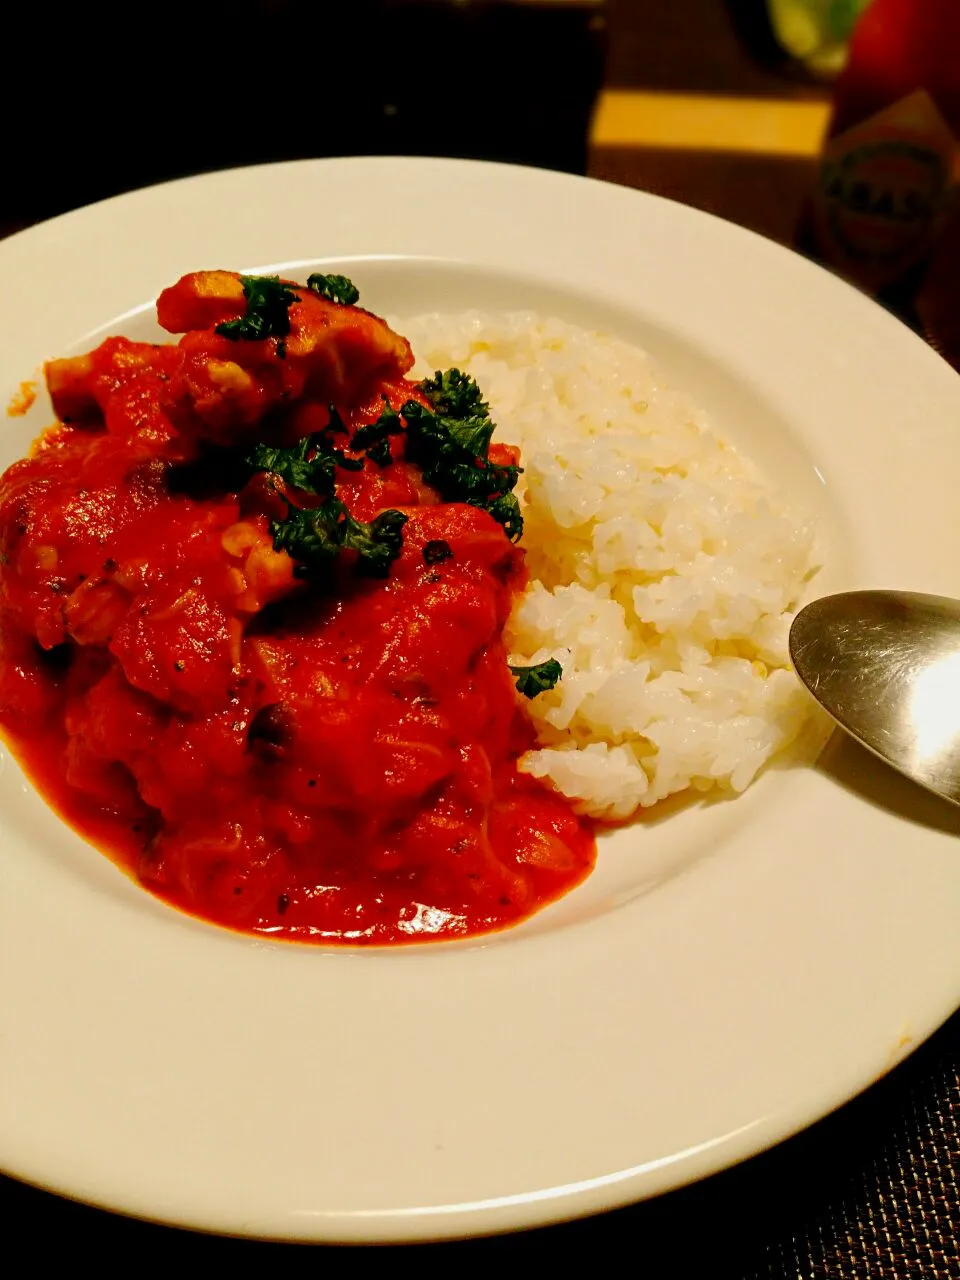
100,98
138,94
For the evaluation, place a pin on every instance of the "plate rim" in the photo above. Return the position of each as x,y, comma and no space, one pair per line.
617,1187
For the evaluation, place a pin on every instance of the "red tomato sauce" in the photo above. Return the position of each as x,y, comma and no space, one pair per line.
334,762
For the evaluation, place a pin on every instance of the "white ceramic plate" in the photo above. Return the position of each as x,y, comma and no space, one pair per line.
725,977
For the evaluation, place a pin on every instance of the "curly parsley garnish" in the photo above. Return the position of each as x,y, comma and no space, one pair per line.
334,288
506,511
537,679
450,442
307,466
378,542
373,438
267,315
314,538
449,439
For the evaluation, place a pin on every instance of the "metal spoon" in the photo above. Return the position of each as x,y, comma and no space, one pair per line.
886,666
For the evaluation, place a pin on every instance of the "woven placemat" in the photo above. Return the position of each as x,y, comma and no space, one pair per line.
870,1193
883,1197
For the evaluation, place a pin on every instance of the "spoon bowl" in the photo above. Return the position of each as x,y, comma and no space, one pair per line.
886,666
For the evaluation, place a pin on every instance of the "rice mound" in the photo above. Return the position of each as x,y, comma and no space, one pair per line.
663,568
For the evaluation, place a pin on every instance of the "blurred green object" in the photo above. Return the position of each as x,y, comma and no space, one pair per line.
816,32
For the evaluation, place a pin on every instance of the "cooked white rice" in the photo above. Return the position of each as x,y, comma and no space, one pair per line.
663,568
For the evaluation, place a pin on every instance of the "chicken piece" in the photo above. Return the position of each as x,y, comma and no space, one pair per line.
70,384
201,300
117,384
334,352
94,611
259,574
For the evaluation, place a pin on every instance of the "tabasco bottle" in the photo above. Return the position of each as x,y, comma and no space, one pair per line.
885,211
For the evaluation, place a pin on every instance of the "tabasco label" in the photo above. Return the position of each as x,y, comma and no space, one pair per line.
884,190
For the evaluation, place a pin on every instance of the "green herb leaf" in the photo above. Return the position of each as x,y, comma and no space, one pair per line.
472,435
450,442
506,511
455,395
314,538
334,288
377,543
537,679
267,314
380,453
373,437
388,424
307,466
310,538
336,426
